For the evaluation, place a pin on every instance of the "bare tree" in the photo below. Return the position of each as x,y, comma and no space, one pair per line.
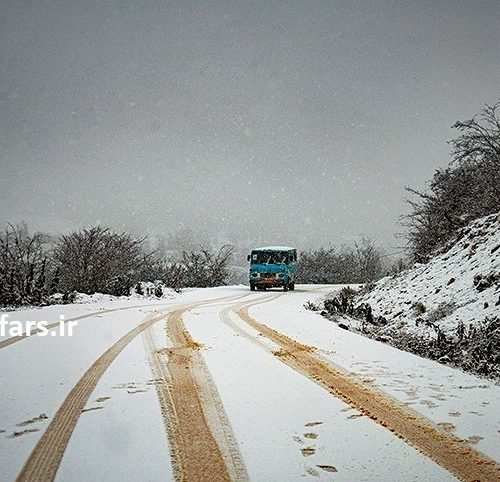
98,259
23,267
368,261
467,189
205,268
345,265
197,268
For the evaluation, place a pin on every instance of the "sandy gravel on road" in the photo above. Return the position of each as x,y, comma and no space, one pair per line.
203,446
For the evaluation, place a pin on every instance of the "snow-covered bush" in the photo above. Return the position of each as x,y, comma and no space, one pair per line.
151,289
475,348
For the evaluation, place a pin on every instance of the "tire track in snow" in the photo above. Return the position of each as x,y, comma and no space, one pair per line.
227,320
48,452
44,461
445,449
203,446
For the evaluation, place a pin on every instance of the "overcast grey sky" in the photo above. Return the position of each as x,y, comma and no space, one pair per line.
273,122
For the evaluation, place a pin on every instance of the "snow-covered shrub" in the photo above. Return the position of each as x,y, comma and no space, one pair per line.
483,282
475,349
442,311
309,305
158,290
139,289
419,308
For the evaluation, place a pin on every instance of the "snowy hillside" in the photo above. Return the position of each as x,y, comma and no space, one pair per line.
459,285
447,309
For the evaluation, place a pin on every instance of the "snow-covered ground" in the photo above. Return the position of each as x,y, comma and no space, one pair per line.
286,426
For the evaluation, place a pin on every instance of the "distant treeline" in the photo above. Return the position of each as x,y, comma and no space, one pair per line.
97,259
34,267
467,189
361,264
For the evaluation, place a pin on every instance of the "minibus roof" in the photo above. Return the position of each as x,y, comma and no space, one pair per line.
275,248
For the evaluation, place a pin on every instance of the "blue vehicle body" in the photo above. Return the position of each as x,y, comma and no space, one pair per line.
273,267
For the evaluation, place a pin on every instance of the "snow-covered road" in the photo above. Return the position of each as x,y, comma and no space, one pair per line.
224,384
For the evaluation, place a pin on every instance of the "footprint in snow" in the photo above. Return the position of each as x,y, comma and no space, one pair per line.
90,409
129,385
40,417
429,403
312,472
446,426
22,432
308,451
439,397
139,390
355,415
474,439
312,424
155,381
327,468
